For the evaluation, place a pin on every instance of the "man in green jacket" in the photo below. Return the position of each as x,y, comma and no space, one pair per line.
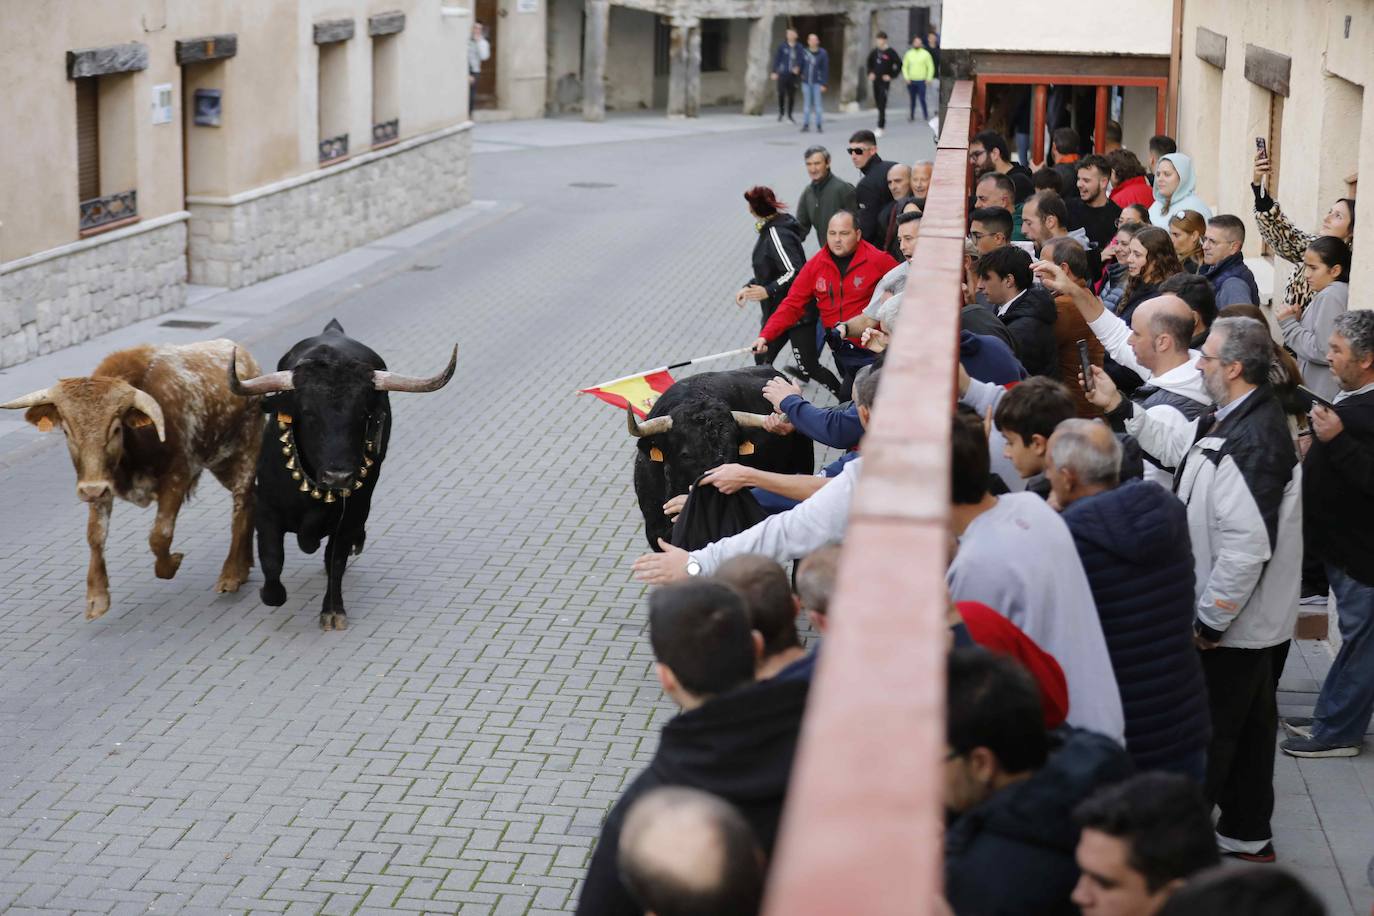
826,195
918,68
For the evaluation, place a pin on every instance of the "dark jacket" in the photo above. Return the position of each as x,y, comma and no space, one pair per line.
1014,853
872,195
778,255
1233,282
1338,492
815,66
884,62
821,200
787,60
1030,321
988,359
1135,548
983,321
738,746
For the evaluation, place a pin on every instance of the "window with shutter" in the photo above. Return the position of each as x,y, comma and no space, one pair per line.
88,138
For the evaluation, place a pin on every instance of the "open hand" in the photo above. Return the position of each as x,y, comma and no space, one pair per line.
755,293
779,389
662,568
673,507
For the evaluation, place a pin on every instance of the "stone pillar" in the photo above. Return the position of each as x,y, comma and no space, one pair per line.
694,69
598,13
760,64
852,70
677,69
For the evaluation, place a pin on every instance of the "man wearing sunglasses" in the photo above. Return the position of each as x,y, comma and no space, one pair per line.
871,192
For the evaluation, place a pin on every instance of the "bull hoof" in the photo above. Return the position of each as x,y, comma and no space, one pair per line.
358,543
230,582
96,606
273,594
333,621
166,567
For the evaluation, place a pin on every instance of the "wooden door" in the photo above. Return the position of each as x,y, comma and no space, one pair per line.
487,14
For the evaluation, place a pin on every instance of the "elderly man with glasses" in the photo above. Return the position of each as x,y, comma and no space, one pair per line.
1239,476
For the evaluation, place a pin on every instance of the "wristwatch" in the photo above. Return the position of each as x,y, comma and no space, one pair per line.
693,567
843,328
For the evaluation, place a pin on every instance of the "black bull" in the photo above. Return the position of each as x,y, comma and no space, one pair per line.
324,441
705,433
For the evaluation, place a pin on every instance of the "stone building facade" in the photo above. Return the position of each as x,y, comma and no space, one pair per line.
708,52
167,142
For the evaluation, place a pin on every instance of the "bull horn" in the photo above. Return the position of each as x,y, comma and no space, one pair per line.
150,407
649,427
32,399
749,420
263,384
390,381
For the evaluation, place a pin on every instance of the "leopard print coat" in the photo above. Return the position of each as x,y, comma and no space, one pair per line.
1289,242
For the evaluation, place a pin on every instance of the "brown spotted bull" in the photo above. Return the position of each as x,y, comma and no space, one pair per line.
142,428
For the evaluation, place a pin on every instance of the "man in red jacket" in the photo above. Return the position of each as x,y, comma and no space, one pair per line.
840,279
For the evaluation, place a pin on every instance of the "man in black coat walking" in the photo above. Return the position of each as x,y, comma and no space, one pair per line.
883,66
871,193
1338,522
734,738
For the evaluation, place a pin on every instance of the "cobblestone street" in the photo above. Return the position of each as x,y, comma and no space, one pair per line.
456,748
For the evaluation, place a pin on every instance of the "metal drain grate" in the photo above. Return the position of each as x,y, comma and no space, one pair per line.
187,323
597,185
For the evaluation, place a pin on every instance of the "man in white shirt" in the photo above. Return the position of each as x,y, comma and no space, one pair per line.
1017,556
1154,346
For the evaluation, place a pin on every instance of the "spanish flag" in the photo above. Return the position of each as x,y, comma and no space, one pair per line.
638,392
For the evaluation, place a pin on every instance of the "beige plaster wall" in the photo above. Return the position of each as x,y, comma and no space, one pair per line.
522,58
1327,126
270,92
630,61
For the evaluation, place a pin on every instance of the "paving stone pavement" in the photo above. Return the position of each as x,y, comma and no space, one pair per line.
456,749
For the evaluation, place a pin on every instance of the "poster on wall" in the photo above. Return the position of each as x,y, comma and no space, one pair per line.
207,110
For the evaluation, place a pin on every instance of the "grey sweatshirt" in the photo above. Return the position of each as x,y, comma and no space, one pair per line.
1307,337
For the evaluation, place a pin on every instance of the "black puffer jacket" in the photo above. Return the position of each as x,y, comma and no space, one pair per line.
778,255
1338,492
1030,321
738,746
872,194
1013,854
1135,548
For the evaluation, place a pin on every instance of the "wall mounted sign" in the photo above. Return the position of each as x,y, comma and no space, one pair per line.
162,103
207,108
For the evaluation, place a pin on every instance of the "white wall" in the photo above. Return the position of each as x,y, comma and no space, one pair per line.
1123,27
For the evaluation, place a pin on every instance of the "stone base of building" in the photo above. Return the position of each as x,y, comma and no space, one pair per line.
240,240
68,295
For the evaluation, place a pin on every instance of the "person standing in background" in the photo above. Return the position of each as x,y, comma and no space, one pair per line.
918,69
787,63
815,76
883,65
479,50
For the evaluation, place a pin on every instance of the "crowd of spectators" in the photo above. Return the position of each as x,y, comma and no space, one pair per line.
1147,466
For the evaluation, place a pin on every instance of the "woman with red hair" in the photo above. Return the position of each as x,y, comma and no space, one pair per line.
778,255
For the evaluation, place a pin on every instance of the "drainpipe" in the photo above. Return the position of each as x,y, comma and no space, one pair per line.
1175,65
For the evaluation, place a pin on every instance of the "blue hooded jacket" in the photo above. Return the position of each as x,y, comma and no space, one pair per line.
1135,548
1185,198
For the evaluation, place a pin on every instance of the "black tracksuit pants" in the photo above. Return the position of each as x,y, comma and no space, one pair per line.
787,94
1242,687
880,87
802,336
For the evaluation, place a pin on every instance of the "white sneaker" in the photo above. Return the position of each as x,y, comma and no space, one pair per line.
1313,601
878,132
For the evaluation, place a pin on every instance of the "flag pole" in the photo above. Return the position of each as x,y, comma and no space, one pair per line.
690,362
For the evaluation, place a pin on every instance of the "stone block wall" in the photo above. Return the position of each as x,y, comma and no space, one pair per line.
90,287
252,237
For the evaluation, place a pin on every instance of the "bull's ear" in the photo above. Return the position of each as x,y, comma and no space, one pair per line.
136,419
655,454
746,447
44,416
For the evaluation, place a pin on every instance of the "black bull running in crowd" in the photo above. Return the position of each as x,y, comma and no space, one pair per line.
702,422
323,443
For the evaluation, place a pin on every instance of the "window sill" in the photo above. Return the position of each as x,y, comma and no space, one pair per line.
108,227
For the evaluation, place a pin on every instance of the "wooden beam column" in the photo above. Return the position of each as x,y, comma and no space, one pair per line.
1039,98
1100,111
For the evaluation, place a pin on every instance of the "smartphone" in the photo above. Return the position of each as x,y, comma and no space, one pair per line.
1309,397
1262,147
1087,365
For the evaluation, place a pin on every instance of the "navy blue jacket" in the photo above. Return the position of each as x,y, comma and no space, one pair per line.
988,359
787,58
1013,855
1232,282
1135,548
815,67
837,427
